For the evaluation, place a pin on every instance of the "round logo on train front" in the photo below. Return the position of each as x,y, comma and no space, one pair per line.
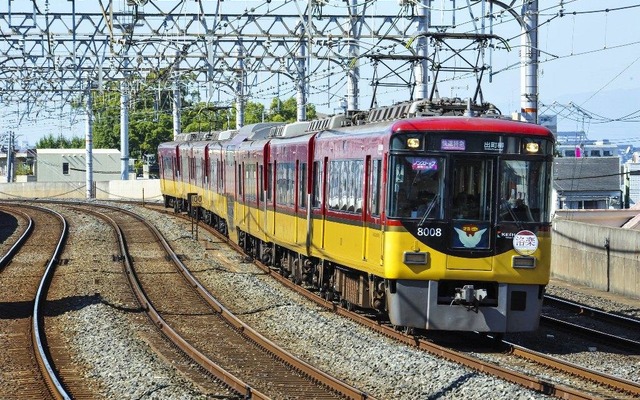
525,243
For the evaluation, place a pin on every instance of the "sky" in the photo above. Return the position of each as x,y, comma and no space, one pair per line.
589,70
589,73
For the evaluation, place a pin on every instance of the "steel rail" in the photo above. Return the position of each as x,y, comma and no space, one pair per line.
37,333
537,384
530,382
16,246
592,312
224,376
284,355
574,369
608,338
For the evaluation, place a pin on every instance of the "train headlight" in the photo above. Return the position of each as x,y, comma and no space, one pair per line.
413,143
532,147
523,262
415,257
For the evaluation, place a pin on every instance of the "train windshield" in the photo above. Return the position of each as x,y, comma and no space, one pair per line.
523,191
417,190
472,188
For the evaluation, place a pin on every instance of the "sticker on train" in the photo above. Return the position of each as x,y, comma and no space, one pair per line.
424,164
471,236
525,243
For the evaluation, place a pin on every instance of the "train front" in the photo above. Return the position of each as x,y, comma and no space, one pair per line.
467,242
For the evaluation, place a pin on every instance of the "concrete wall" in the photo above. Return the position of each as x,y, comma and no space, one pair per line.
141,189
580,255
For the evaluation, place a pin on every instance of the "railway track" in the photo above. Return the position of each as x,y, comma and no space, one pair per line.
205,330
609,329
569,381
27,369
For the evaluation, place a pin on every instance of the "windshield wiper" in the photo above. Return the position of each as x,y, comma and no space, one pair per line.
518,222
429,208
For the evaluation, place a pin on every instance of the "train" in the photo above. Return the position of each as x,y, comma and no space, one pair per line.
435,215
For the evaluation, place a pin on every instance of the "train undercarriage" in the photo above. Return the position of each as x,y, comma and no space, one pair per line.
334,282
440,305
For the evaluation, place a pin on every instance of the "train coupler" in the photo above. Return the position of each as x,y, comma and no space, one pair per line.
469,297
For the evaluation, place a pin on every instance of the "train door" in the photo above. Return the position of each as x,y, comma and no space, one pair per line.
324,194
471,192
373,201
271,213
302,219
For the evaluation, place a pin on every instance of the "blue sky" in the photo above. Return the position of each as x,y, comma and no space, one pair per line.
589,71
591,61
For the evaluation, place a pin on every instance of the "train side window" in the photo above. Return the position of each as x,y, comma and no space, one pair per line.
220,175
358,184
285,184
239,175
302,184
346,185
270,182
65,168
375,184
213,173
250,182
261,182
333,188
316,201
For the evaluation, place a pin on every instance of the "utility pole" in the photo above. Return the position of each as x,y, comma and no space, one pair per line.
10,159
177,103
240,85
301,62
529,62
422,50
124,129
89,144
353,73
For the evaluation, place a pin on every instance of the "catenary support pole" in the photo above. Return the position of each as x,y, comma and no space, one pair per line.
529,62
422,49
88,143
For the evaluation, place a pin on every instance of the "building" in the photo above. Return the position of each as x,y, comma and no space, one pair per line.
591,149
23,165
69,165
633,166
588,183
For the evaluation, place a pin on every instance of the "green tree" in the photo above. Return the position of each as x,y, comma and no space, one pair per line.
203,117
150,118
51,142
150,115
287,111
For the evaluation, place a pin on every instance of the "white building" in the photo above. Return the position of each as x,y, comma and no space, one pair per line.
634,180
69,165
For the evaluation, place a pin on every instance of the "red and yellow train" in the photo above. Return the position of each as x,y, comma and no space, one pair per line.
440,222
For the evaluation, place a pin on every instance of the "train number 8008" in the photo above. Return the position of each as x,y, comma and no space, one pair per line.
429,232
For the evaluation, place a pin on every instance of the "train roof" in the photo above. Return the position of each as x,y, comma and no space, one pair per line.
483,124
